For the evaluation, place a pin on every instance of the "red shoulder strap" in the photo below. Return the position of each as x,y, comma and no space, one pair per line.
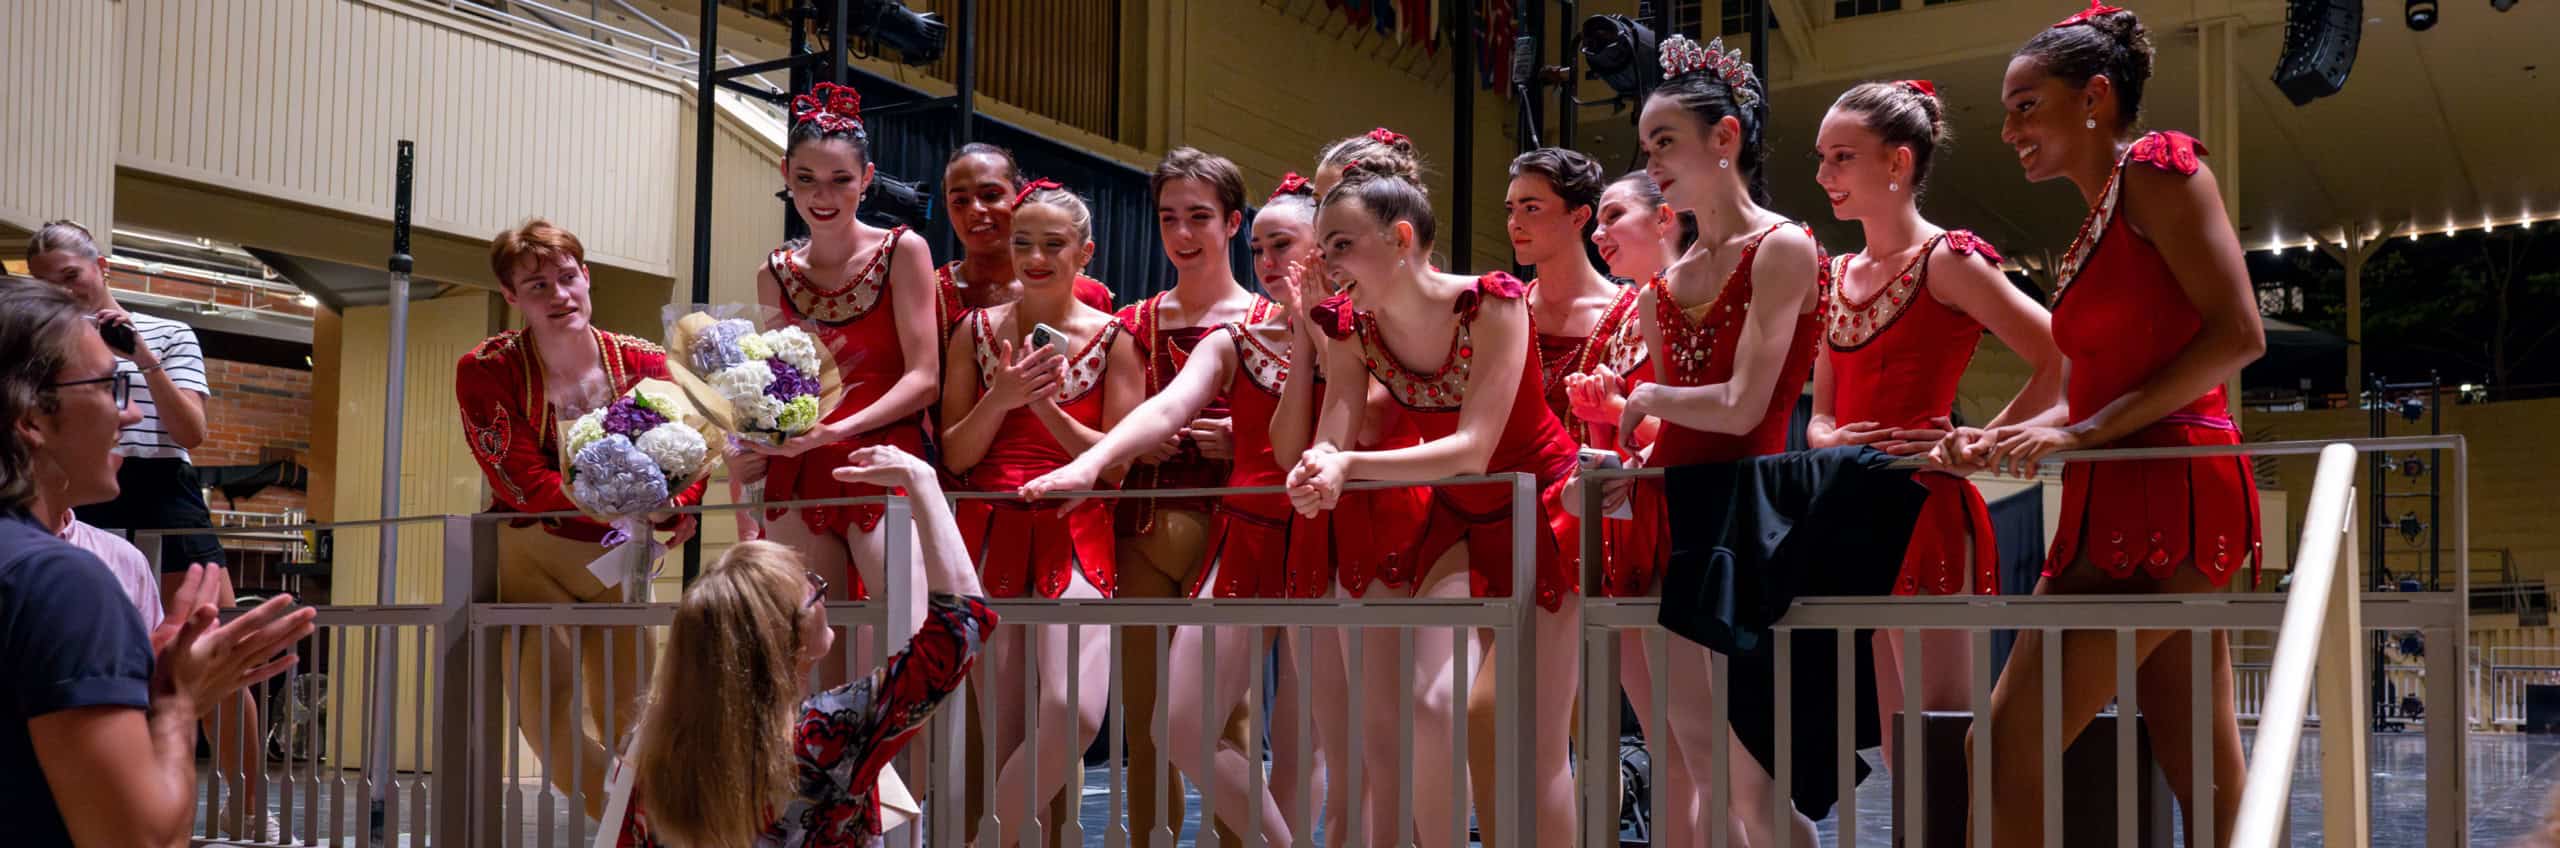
2169,150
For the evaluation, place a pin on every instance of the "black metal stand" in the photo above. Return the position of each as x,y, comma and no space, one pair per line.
2380,407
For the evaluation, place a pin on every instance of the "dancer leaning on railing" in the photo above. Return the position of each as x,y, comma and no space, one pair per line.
2153,312
1905,316
1478,408
1019,404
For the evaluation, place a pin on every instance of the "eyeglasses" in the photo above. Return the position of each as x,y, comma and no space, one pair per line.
817,589
117,387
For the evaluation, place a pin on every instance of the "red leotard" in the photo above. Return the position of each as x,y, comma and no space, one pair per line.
1532,442
2119,317
1249,543
1166,350
1698,350
1346,539
1025,548
1895,360
855,322
1616,347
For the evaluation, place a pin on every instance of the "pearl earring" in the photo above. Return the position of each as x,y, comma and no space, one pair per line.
2093,122
1724,163
1893,187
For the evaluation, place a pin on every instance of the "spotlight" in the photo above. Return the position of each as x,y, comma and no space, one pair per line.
1620,52
2414,467
2411,527
2412,408
2319,47
893,202
2502,5
917,37
2422,15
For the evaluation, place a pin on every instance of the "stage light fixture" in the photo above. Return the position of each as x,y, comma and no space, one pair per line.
2502,5
917,37
2421,15
1619,51
2320,38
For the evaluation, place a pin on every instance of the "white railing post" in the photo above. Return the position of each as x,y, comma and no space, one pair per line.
2309,634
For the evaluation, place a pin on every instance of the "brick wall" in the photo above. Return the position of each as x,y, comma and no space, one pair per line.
257,412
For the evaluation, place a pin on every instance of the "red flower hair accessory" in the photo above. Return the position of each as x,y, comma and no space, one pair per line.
2097,9
1923,88
1388,137
1035,185
834,108
1291,184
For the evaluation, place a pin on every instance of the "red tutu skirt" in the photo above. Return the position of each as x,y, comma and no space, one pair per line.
1355,545
1479,516
1935,562
811,476
1251,550
1026,549
2153,514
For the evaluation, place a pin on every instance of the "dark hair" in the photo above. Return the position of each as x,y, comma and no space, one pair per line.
1012,169
36,322
1575,178
1904,116
829,112
2114,44
1389,197
1708,95
1381,150
1192,163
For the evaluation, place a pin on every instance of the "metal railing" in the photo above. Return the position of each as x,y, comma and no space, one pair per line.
433,741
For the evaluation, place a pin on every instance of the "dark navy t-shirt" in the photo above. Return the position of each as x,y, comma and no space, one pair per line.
69,638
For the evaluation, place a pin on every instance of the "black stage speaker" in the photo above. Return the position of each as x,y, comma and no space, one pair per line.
2319,47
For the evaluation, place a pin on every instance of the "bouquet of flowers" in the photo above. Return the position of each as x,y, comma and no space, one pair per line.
761,385
627,457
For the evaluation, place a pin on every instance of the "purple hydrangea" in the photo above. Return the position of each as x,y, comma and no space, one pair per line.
788,382
626,417
716,349
613,477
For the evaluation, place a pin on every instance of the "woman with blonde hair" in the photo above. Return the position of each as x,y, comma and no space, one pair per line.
729,754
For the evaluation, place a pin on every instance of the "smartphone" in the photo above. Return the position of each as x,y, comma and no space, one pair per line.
118,335
1590,458
1043,335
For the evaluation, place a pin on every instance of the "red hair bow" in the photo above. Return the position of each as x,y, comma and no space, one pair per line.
1291,184
1924,87
1387,137
834,108
1035,185
2096,9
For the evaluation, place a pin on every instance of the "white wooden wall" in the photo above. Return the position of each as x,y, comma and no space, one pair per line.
303,101
58,71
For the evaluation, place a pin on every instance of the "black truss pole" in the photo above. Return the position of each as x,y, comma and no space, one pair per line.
706,92
1462,166
965,78
1565,56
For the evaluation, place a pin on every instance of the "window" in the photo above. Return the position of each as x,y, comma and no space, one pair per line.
1733,17
1841,9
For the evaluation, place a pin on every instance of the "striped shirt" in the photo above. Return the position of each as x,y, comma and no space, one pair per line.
175,345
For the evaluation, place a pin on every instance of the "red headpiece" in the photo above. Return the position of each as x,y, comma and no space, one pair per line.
1035,185
1387,137
1291,184
834,108
2096,9
1924,88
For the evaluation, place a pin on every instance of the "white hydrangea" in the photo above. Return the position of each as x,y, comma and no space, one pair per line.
585,431
758,412
795,348
755,347
677,449
742,381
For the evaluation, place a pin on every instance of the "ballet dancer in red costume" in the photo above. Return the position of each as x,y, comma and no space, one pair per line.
978,186
1022,404
2153,313
1245,363
868,293
1731,328
1477,406
1905,316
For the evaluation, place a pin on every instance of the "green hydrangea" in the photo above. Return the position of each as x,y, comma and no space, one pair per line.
585,431
799,414
755,347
